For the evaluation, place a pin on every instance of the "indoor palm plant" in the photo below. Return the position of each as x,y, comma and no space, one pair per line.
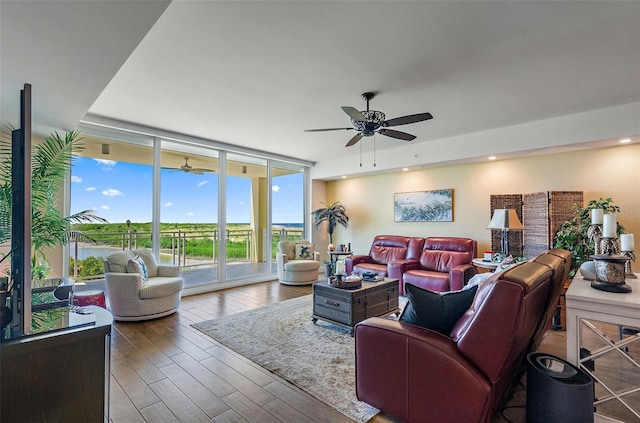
334,214
51,161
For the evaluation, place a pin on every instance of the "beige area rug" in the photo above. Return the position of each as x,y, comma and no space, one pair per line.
318,358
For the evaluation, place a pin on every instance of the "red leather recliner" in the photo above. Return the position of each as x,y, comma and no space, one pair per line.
386,249
419,375
443,265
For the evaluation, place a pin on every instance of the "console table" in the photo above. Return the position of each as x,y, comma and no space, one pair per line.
60,374
585,307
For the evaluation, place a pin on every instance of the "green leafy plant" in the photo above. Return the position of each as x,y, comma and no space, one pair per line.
51,161
573,235
334,214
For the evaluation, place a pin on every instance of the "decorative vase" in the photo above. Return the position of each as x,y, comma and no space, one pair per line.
331,247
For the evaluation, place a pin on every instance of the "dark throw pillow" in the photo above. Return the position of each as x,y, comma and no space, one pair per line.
437,311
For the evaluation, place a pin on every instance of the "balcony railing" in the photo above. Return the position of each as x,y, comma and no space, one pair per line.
185,248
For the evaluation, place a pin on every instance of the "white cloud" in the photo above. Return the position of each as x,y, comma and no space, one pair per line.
275,188
105,207
190,214
202,183
111,192
90,189
76,179
107,163
168,204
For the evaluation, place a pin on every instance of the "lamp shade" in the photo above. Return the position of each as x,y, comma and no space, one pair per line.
505,219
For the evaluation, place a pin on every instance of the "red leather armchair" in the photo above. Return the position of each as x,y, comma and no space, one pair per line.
387,256
444,264
419,375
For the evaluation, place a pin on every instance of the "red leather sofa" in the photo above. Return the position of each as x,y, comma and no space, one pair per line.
444,264
434,263
419,375
387,256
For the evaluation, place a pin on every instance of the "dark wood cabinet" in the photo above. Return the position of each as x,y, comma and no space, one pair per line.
347,307
58,376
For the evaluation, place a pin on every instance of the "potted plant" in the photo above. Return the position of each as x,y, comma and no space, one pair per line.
573,234
334,214
51,162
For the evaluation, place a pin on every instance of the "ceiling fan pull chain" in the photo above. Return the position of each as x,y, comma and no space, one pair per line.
360,154
374,150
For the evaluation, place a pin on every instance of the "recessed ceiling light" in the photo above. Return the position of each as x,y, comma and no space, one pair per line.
404,169
344,176
625,140
492,157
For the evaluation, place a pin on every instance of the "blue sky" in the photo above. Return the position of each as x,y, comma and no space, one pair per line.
119,191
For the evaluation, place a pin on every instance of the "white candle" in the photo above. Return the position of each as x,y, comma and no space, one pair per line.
339,267
596,216
609,226
627,242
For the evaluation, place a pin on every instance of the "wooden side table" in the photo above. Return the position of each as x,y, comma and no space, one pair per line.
334,256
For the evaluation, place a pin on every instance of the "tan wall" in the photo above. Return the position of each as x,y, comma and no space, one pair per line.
611,172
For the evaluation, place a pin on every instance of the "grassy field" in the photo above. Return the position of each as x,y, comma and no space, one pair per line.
197,240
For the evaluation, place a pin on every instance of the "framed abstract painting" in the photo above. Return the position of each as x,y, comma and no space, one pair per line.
423,206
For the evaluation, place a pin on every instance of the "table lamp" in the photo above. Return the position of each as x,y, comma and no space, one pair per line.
505,220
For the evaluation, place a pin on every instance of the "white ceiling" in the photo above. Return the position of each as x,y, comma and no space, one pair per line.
256,74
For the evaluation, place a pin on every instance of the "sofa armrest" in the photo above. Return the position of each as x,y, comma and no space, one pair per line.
351,261
400,369
460,275
281,259
168,271
316,255
396,268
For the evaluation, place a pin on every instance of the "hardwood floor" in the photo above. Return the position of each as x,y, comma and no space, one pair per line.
165,371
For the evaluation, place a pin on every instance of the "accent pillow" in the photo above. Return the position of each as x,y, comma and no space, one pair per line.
136,265
304,251
438,311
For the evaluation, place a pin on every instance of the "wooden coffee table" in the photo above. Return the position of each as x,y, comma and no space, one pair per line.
347,307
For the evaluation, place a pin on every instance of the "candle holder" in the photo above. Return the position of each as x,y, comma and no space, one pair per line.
628,272
609,245
595,233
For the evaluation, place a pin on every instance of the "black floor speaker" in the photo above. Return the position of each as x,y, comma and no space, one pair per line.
557,391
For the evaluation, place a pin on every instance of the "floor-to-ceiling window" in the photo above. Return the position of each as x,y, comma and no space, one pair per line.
247,219
189,211
217,214
287,203
115,180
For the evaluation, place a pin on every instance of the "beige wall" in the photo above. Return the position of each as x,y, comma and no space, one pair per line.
611,172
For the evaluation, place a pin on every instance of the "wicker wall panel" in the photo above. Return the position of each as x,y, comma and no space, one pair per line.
507,201
544,213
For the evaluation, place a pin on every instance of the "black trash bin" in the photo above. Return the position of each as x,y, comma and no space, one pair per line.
557,391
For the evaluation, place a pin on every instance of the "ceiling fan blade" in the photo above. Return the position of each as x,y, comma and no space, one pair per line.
327,129
354,140
404,120
354,113
202,170
397,134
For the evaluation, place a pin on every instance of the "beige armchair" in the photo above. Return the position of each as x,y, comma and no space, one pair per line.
131,297
297,262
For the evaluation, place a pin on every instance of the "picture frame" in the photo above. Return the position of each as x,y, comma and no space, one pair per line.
423,206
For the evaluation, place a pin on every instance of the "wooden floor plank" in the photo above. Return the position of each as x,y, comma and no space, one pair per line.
201,396
178,403
249,410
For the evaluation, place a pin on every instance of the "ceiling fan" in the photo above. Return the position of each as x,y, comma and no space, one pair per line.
368,122
195,170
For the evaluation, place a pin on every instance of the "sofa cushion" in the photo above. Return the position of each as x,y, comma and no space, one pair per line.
159,287
301,265
117,261
304,251
436,311
136,265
